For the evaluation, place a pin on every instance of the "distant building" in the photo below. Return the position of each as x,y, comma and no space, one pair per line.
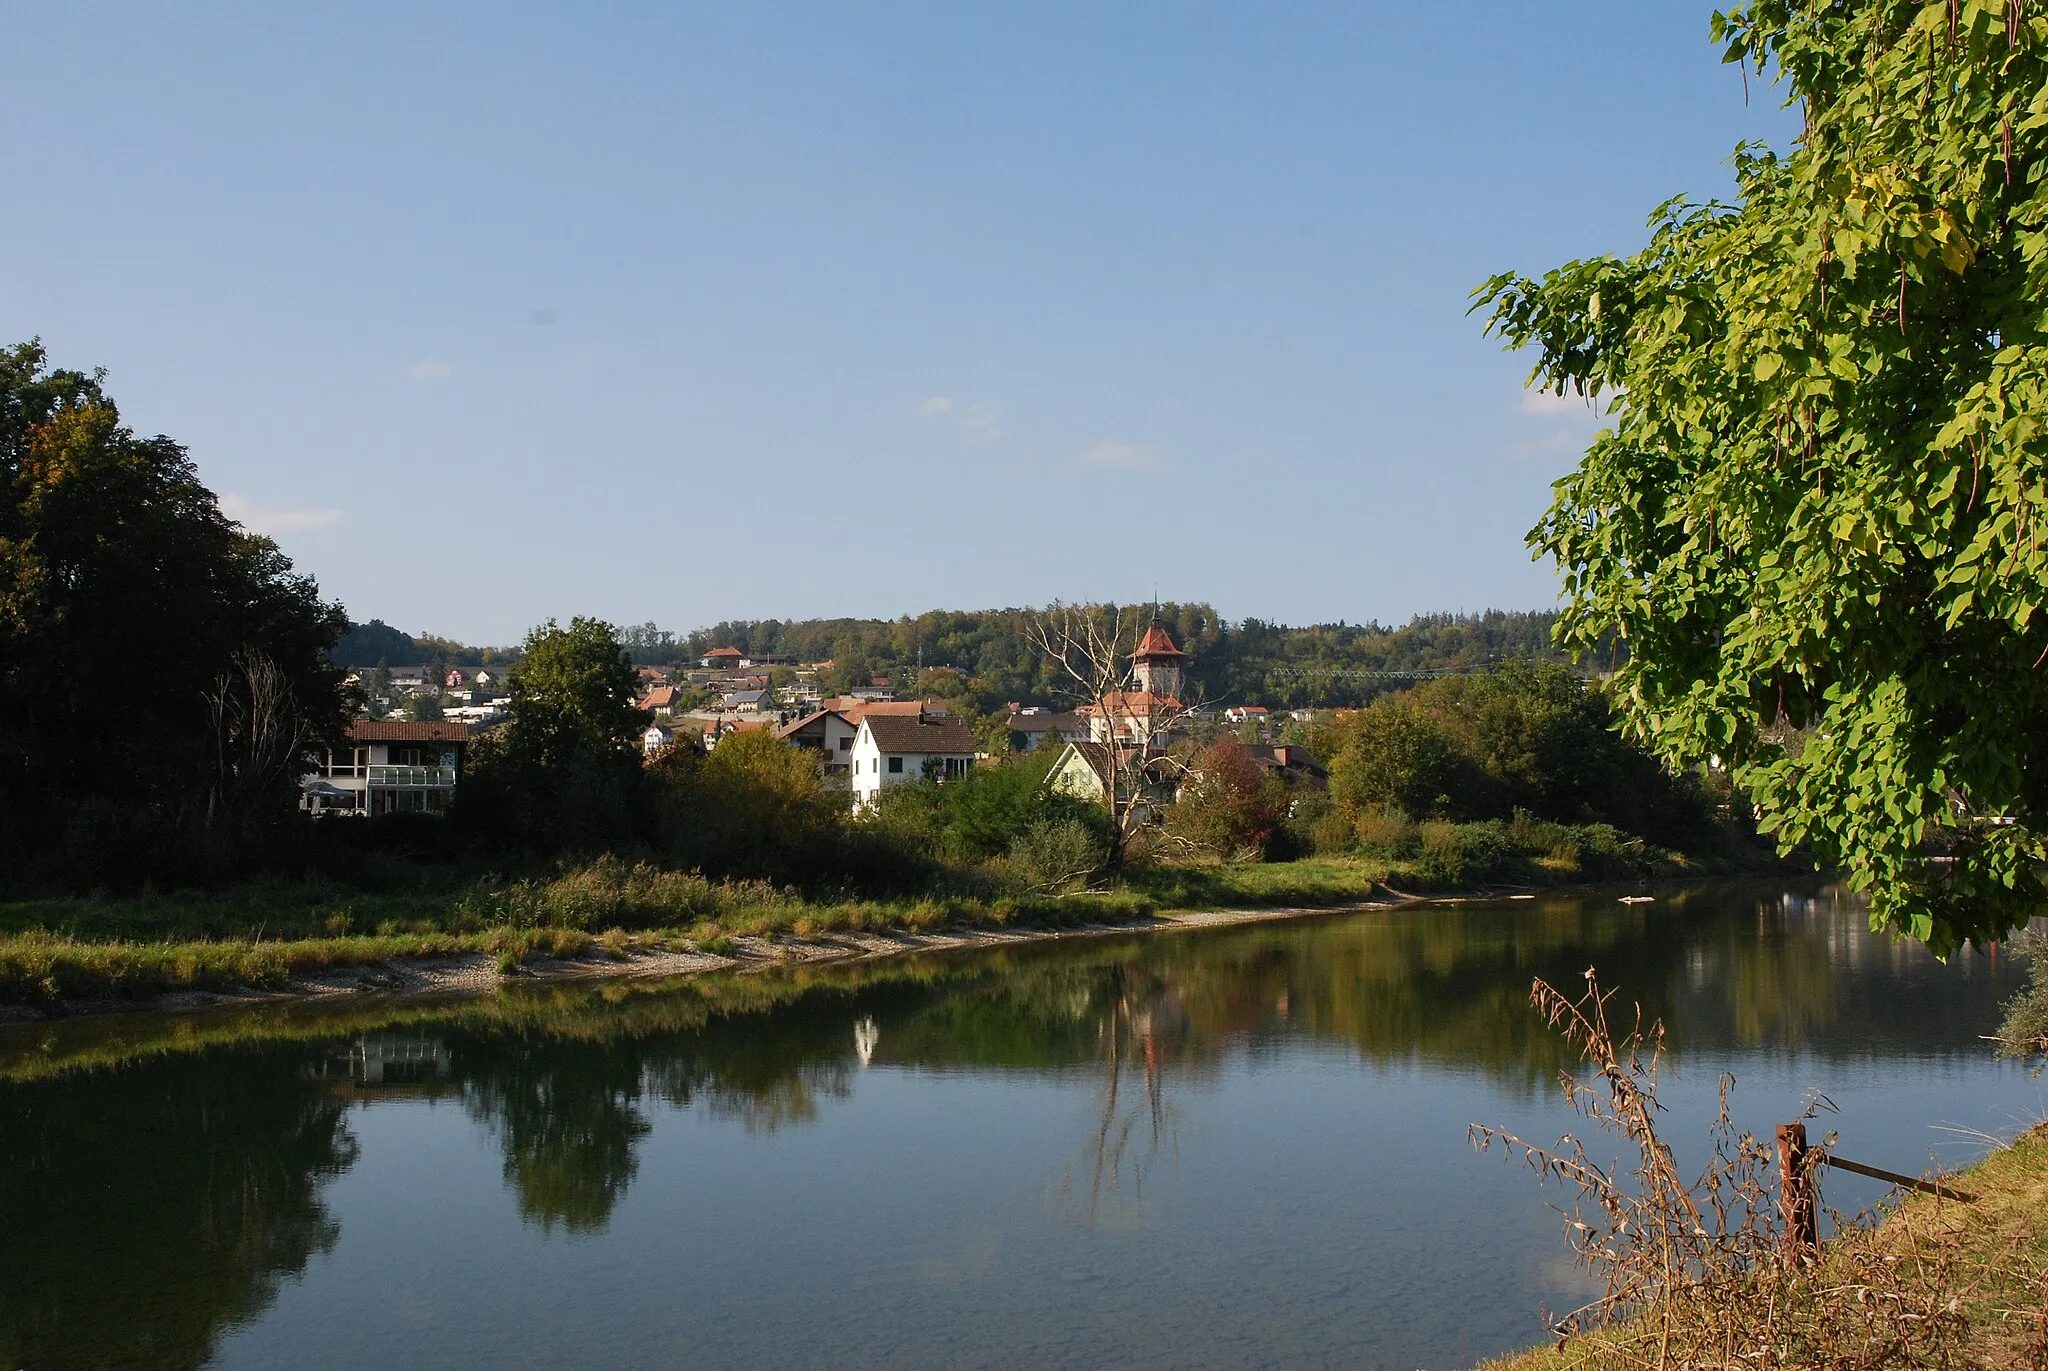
1031,729
659,700
1247,714
723,658
891,749
388,767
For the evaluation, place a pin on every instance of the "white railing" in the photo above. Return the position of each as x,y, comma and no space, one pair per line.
412,777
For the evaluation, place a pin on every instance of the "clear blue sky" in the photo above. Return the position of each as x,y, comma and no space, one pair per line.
496,312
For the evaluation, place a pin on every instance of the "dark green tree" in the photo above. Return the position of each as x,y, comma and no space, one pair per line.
117,565
565,770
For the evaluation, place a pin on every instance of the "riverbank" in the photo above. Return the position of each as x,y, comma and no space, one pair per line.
1938,1282
51,962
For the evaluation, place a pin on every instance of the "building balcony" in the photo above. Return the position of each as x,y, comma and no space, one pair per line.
411,777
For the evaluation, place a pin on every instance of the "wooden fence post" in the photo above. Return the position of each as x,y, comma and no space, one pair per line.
1797,1204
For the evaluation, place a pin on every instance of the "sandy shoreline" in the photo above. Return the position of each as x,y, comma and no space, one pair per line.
477,973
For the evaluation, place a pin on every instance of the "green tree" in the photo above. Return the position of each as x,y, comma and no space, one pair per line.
1395,756
113,558
572,698
1816,520
565,770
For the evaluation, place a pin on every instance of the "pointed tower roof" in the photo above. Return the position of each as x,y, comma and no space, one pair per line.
1156,643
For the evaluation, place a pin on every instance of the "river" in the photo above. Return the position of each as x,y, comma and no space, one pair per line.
1238,1147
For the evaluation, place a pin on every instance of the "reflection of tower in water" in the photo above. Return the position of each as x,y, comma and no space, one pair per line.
865,1036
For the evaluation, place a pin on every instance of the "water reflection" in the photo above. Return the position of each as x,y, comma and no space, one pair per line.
144,1212
160,1178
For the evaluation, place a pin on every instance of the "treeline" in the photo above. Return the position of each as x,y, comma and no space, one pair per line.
990,658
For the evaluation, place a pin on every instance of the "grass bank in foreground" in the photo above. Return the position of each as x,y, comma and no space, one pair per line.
1936,1283
262,934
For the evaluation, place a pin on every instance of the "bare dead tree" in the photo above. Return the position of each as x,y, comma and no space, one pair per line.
259,739
1093,650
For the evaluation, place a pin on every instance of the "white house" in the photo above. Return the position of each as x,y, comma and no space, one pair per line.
893,748
828,733
388,767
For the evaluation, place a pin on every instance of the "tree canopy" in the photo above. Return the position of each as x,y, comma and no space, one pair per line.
136,624
1817,518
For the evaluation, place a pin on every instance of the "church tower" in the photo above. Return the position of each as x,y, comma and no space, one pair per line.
1158,663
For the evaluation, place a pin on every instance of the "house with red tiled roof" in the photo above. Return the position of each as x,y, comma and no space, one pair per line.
727,657
387,766
659,700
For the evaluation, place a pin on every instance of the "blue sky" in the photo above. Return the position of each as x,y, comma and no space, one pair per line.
491,313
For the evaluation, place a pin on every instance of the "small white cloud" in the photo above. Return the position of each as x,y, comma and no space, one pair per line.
272,522
1127,456
430,370
974,420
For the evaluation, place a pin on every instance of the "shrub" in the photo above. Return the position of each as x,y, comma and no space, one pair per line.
1055,855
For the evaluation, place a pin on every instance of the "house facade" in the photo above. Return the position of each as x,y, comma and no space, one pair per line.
1031,729
388,767
828,733
892,749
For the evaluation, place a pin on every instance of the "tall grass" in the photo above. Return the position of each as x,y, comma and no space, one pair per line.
1697,1272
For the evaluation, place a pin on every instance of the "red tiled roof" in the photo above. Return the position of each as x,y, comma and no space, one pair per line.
1156,643
399,731
1136,702
725,652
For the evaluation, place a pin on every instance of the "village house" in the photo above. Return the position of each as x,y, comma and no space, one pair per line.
655,739
828,733
724,659
1291,764
1031,729
891,749
659,700
388,767
1247,714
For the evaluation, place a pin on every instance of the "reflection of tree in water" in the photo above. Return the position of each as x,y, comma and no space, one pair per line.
570,1114
568,1118
143,1212
1142,1020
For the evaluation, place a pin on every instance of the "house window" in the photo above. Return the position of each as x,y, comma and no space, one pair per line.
846,744
895,766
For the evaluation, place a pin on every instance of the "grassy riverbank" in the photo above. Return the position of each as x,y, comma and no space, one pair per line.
262,934
1937,1283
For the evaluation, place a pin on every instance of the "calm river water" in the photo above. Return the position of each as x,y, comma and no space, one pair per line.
1234,1148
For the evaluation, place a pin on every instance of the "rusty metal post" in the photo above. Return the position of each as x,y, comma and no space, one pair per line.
1797,1204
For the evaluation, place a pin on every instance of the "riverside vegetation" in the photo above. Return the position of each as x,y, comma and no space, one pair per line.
1697,1273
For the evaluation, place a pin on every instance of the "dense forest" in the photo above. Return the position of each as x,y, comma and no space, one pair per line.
1248,661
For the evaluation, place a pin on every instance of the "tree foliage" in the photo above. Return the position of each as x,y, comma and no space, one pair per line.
565,771
1530,737
1817,518
131,614
1228,806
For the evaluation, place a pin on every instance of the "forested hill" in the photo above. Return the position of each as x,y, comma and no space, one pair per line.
1245,661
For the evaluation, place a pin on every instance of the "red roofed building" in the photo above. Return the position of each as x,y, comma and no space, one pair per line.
387,766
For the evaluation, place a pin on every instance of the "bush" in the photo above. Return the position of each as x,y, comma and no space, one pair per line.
1056,855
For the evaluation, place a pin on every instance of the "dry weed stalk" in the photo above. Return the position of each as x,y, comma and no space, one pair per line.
1696,1272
